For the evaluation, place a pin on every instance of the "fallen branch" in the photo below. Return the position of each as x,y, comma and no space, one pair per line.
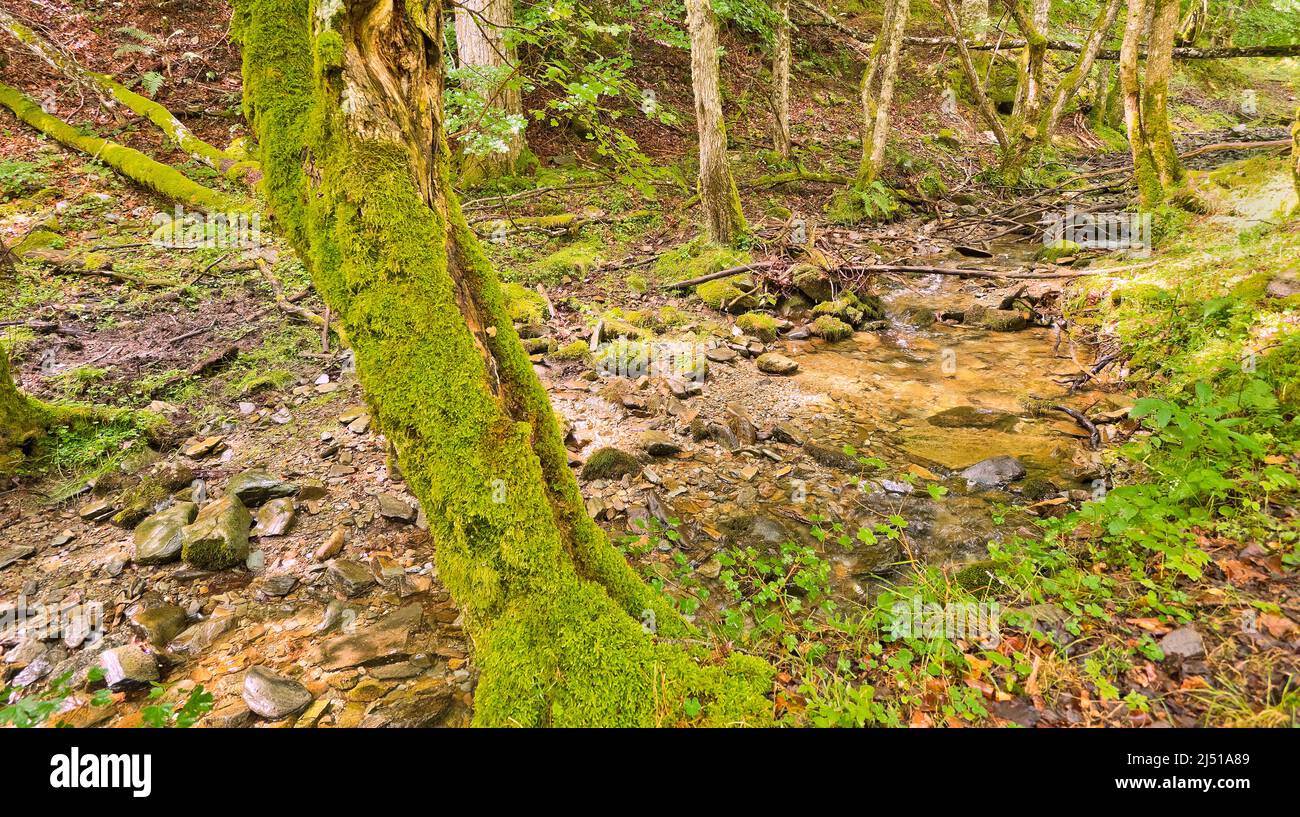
1094,435
722,273
1217,146
139,168
113,91
302,313
64,263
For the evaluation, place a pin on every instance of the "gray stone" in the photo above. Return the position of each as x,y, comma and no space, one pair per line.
218,537
774,363
98,510
128,667
351,577
13,554
994,472
659,444
272,695
159,625
275,517
279,584
158,538
255,486
1185,642
199,637
395,506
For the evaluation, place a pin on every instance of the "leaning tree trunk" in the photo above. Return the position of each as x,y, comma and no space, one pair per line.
20,419
1028,104
781,81
878,83
724,220
1155,93
345,99
1150,191
1072,81
481,43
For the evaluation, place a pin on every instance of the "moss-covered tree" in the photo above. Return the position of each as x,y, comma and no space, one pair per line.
1295,156
21,419
877,90
345,99
724,219
1146,97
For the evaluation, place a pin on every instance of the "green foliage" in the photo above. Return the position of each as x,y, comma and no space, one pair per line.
162,714
19,177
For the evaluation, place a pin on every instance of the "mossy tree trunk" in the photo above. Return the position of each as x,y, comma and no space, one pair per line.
21,419
482,43
345,98
781,81
1025,127
724,220
983,104
1150,191
1074,79
1155,93
877,90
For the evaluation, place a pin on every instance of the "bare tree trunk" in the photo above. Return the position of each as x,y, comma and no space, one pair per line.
878,82
724,220
345,98
1029,89
781,81
481,42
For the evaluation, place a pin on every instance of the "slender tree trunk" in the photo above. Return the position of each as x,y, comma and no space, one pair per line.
1155,92
724,220
345,98
482,43
1025,125
781,81
1148,180
1072,81
982,102
878,82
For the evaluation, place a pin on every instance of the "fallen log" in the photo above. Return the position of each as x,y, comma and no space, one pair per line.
131,163
722,273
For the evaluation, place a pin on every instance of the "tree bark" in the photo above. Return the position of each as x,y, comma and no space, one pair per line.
724,220
878,81
481,42
1155,92
982,102
1072,81
1148,181
345,99
781,81
1295,157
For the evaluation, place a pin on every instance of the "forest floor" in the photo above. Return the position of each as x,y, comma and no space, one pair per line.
788,515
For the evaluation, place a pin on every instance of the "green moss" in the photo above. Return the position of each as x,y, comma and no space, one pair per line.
575,260
697,258
831,328
726,293
1056,250
977,577
637,283
523,304
610,463
577,350
759,325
